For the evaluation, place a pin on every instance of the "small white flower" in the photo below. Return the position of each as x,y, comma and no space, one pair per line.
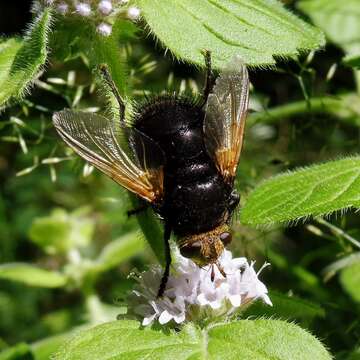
191,295
62,8
104,29
105,7
133,13
83,9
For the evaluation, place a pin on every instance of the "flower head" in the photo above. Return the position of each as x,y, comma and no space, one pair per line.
192,295
83,9
102,13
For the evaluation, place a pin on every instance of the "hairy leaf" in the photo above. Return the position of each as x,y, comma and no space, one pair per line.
350,280
316,190
32,275
257,339
22,61
256,30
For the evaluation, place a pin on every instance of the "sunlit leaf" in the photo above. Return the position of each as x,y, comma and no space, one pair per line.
20,351
32,275
287,308
353,61
119,250
338,19
20,61
257,31
247,340
350,280
313,191
61,231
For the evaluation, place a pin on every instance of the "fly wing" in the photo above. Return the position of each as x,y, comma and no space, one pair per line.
225,118
124,154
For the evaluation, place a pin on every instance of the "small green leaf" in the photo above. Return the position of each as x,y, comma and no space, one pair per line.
22,61
287,308
119,250
257,31
60,231
20,351
245,339
352,60
350,280
151,229
313,191
355,355
32,275
339,20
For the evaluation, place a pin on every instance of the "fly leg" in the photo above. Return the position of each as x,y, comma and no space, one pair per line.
209,80
104,70
164,279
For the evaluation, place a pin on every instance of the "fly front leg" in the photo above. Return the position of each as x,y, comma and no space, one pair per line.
164,279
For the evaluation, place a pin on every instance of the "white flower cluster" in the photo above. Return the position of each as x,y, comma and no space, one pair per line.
191,295
102,12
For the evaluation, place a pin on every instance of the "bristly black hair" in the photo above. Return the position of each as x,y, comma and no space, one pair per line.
154,102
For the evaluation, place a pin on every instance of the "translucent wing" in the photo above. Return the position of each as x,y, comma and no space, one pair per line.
124,154
225,118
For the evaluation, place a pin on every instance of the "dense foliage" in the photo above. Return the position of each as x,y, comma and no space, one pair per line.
67,246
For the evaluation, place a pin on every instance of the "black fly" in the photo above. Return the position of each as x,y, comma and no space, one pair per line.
179,155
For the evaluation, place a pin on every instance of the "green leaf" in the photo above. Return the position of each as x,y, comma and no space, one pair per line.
151,229
350,280
22,61
32,275
316,190
352,60
355,355
45,348
246,340
20,351
256,30
119,250
287,308
8,51
60,231
339,20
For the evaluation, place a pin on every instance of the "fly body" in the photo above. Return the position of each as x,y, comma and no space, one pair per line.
180,156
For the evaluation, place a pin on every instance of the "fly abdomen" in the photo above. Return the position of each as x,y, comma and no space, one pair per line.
197,206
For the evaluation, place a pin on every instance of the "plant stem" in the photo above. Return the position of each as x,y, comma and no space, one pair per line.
340,232
331,105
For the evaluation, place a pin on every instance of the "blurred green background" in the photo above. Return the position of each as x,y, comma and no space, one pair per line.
58,215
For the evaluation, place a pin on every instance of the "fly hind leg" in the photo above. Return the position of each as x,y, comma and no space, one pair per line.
209,79
104,70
